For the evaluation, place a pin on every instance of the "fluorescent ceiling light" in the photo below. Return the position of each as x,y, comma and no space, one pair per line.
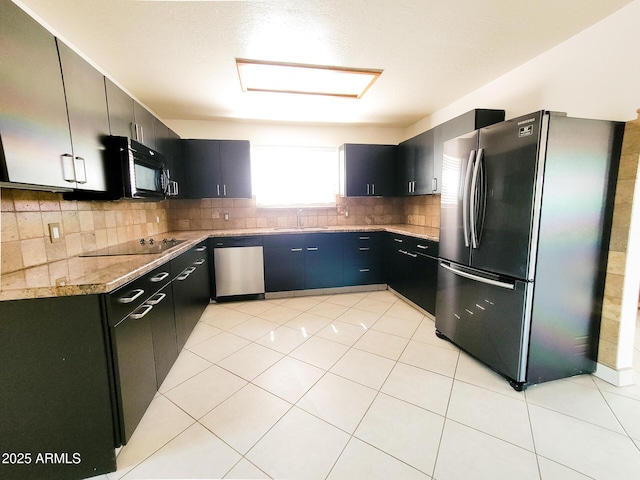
263,76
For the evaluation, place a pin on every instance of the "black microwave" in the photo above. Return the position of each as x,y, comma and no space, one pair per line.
136,171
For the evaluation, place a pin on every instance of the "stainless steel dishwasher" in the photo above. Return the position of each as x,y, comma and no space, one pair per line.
239,268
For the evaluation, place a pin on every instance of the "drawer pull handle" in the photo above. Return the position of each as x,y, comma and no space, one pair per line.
201,249
159,277
364,249
364,270
200,261
424,247
135,295
364,238
397,240
312,249
186,273
144,310
296,249
156,299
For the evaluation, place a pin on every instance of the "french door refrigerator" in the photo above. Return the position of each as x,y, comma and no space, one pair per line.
526,210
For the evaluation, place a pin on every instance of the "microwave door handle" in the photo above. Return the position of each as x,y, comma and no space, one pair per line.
465,197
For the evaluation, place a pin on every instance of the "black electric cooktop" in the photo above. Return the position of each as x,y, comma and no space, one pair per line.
136,247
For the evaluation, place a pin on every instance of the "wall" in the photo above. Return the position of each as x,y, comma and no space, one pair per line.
623,273
85,226
594,74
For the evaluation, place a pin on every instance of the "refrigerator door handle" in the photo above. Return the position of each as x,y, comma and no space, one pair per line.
465,197
477,278
473,197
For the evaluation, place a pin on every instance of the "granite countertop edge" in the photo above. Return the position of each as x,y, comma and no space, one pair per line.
99,275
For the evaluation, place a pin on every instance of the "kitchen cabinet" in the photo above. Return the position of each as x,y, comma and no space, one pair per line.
301,261
414,166
143,129
34,128
412,269
366,170
163,331
362,254
56,391
460,125
176,164
88,120
217,168
191,290
120,106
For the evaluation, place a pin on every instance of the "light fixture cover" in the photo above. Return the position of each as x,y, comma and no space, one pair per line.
265,76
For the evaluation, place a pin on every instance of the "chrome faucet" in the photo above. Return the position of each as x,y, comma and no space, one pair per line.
299,218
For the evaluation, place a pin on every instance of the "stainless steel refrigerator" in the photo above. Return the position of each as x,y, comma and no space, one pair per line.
526,210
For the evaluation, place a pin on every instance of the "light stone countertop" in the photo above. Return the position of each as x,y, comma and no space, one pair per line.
96,275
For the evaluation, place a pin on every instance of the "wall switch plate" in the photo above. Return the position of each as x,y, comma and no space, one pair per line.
226,216
54,232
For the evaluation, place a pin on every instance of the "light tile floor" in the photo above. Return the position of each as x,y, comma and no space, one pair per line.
357,386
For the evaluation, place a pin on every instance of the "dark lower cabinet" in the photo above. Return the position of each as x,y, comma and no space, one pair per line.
55,389
323,260
163,327
283,262
412,269
362,258
191,290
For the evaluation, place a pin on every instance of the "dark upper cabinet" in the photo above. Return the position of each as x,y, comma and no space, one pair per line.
176,164
366,170
143,129
120,106
217,168
34,129
460,125
88,119
414,165
162,137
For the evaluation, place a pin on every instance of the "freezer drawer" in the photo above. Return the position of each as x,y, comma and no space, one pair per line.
485,315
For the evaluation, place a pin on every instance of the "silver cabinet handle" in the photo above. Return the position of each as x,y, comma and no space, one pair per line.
424,247
200,261
201,249
399,240
296,249
413,255
404,252
224,189
136,294
312,249
81,174
159,277
435,184
364,270
364,249
156,299
143,311
367,189
68,168
364,238
409,186
186,273
218,190
373,189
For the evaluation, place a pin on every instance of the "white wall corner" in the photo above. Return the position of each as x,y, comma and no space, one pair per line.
620,378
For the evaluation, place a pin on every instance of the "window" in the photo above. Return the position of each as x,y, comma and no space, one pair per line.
285,176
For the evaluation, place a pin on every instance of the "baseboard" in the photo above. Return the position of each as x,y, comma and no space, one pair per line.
619,378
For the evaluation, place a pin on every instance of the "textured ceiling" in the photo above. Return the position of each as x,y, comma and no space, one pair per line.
178,57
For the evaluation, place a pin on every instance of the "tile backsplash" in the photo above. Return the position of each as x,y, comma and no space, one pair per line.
84,226
87,226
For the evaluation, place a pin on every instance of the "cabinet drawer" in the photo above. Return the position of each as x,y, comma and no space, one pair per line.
292,240
362,274
197,254
133,294
421,245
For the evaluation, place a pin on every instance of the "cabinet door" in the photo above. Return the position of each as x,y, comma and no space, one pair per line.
176,164
423,164
88,118
357,170
382,179
120,106
163,326
284,268
162,137
323,260
34,129
202,159
135,369
145,124
235,168
404,168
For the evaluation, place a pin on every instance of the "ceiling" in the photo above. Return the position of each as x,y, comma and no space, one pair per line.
178,56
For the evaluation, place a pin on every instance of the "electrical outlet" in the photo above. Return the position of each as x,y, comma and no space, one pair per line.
346,213
54,232
226,216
